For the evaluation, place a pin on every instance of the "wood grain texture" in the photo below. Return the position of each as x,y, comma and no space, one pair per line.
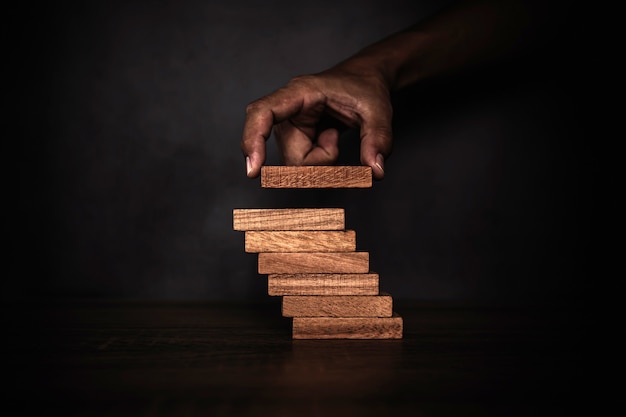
338,306
316,177
300,241
322,284
289,219
313,262
347,328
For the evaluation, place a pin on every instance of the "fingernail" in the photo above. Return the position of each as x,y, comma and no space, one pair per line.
248,165
380,161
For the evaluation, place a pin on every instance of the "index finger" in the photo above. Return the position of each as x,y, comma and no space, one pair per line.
264,113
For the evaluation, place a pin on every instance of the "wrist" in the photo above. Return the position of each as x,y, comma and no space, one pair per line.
368,67
398,61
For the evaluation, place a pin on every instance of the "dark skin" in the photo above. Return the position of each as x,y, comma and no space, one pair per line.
357,91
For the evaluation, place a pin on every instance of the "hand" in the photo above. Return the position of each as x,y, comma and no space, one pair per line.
357,91
357,98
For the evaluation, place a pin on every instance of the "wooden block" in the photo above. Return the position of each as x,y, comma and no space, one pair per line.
316,177
289,219
347,328
322,284
296,241
337,306
313,262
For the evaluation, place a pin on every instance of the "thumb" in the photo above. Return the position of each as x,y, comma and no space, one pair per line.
376,144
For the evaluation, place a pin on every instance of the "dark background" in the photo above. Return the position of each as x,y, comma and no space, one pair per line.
122,143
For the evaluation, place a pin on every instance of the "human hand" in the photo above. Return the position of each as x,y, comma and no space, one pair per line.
359,99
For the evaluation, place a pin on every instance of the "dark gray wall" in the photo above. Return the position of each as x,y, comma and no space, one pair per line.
129,129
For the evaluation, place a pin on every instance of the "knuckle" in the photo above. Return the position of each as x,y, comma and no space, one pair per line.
304,84
255,107
302,79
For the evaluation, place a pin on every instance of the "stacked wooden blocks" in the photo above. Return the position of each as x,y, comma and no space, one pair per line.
312,262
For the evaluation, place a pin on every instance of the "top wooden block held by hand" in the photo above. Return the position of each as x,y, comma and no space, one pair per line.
316,177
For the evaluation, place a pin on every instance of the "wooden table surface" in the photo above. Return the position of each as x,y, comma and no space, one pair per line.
144,358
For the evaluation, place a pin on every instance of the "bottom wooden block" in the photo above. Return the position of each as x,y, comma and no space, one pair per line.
347,327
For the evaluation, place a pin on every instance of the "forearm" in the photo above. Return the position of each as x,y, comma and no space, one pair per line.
468,34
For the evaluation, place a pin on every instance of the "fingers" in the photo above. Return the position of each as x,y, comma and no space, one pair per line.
293,142
326,150
261,115
297,145
257,128
253,148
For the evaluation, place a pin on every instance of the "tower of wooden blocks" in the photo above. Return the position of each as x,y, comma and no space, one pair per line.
311,259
